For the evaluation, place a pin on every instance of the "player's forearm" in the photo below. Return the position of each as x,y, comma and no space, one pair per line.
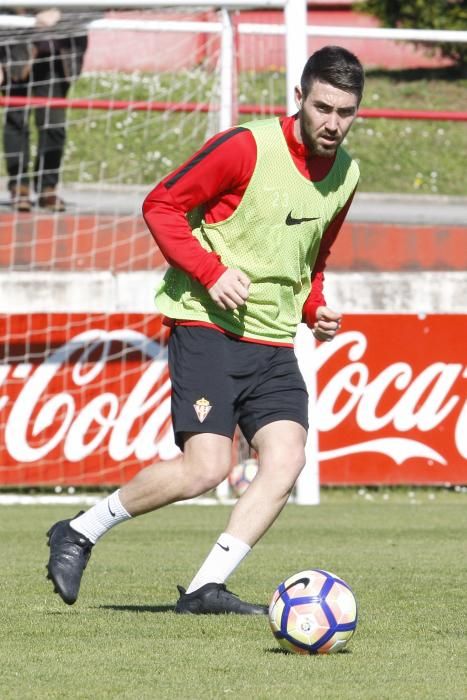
314,300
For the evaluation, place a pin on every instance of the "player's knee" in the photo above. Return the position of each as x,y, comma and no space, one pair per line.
207,471
291,457
285,465
211,478
293,465
281,448
300,460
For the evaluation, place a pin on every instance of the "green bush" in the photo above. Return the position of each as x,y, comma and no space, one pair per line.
419,14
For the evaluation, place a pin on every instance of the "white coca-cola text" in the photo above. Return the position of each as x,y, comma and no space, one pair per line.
37,420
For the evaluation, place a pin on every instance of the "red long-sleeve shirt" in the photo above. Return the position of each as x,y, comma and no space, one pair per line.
216,177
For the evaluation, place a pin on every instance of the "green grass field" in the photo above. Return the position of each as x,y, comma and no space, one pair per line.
404,556
419,157
139,148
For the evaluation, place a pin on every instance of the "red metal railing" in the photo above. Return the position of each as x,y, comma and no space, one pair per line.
143,106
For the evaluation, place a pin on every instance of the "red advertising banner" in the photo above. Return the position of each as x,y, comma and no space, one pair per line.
391,401
85,399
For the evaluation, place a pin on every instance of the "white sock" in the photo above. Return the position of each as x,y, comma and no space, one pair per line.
221,561
101,518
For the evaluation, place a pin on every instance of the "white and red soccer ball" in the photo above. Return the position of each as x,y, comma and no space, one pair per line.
313,612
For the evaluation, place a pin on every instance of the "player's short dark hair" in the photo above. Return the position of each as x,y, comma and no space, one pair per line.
336,66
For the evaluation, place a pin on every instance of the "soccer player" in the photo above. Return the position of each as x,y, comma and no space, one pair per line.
273,195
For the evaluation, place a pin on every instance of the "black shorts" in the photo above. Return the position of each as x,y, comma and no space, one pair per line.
219,382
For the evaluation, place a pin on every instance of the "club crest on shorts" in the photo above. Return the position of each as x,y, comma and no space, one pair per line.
202,408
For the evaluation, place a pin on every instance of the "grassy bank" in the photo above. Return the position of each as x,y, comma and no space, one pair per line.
406,155
133,148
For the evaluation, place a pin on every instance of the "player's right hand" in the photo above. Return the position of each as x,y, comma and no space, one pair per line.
231,289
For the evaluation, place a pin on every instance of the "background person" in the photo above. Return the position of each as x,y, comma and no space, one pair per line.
274,194
43,63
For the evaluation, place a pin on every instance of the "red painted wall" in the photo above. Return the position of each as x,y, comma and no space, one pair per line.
146,51
104,242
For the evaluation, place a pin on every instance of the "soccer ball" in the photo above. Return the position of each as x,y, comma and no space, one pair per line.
313,612
242,475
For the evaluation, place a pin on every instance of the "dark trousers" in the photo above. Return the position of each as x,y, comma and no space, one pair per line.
46,80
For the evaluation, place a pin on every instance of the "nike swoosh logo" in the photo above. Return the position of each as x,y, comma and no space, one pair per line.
283,589
291,221
110,510
226,549
304,580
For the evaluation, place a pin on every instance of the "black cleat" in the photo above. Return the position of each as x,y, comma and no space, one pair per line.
215,599
69,555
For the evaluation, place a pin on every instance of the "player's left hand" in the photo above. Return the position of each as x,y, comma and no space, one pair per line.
327,324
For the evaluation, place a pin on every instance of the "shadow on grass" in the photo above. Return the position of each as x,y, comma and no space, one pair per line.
285,652
138,608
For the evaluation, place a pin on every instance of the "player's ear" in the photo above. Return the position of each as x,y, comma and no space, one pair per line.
298,97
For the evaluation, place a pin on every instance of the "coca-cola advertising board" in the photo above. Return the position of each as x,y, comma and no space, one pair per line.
85,399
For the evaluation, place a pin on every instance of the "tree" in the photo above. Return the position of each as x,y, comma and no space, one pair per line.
420,14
